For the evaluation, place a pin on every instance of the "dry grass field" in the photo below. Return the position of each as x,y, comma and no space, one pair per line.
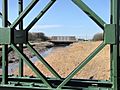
64,60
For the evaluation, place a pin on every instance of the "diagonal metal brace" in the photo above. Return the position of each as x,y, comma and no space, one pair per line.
40,15
32,66
43,61
80,66
90,13
24,13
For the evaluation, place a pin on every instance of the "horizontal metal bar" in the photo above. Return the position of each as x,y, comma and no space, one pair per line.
5,87
80,66
40,15
43,61
72,83
43,88
24,13
90,13
31,65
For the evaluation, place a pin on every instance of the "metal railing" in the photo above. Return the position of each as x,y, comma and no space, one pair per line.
111,37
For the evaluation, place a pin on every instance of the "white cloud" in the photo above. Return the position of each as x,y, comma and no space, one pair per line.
37,27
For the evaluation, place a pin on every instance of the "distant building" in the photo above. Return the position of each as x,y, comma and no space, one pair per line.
63,39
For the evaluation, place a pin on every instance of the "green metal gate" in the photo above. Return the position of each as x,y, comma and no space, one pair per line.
10,36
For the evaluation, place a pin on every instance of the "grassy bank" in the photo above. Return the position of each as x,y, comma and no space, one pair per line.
64,60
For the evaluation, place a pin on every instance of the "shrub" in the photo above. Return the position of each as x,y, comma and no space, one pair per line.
98,37
37,36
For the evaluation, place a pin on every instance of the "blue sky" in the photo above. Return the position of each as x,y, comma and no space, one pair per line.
63,18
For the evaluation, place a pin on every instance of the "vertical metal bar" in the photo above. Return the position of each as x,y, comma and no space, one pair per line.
20,2
4,47
118,37
111,47
8,23
115,67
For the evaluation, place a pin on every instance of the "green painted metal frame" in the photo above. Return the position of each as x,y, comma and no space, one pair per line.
90,13
43,61
115,73
20,2
111,37
4,47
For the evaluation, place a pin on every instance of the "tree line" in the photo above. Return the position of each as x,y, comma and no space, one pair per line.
98,37
37,36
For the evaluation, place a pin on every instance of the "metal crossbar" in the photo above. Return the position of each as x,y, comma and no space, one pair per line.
90,13
79,67
44,62
24,13
32,66
40,15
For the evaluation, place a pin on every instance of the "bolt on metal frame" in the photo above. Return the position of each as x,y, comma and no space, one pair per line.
111,37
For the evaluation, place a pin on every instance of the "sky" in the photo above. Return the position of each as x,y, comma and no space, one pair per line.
63,18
